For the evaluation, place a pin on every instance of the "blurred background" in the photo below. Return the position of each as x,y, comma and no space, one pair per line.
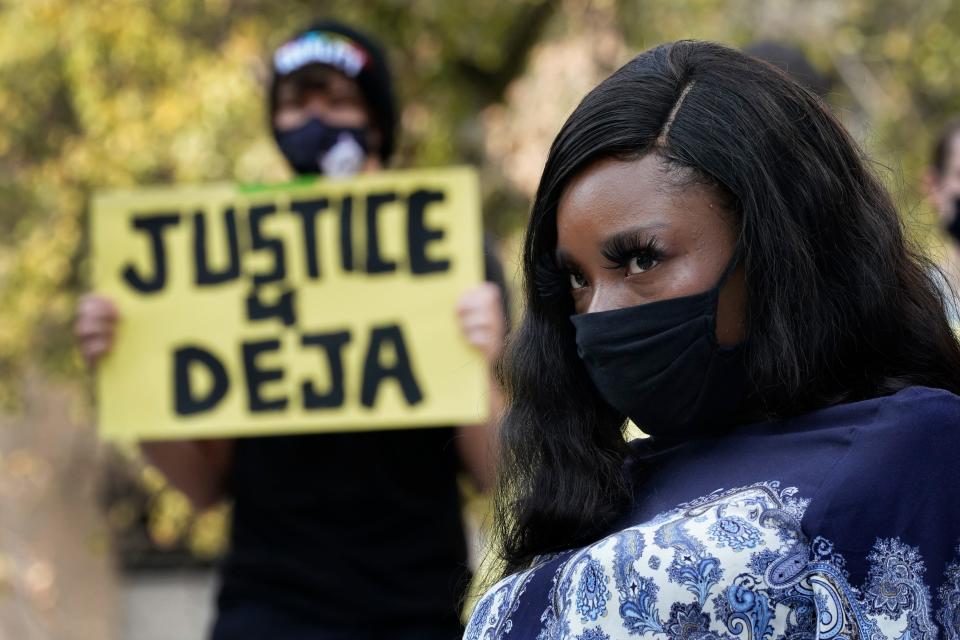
110,93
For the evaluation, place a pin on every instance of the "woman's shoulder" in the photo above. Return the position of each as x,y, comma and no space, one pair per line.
659,576
924,407
909,444
910,416
895,482
710,568
499,610
916,423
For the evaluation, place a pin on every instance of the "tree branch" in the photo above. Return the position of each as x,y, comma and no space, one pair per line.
490,85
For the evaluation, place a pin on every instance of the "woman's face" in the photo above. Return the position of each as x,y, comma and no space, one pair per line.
635,232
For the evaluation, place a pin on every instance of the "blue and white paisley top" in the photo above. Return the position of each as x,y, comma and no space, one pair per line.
841,524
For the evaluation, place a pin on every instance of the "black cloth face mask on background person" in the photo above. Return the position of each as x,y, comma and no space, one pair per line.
661,366
318,147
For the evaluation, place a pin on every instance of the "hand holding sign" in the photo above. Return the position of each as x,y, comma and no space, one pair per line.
481,314
95,327
307,307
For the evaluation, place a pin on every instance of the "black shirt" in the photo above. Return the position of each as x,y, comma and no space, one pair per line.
346,532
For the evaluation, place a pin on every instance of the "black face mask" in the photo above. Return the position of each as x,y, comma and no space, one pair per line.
660,365
317,147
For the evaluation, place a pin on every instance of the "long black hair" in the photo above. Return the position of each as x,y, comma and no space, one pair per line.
840,306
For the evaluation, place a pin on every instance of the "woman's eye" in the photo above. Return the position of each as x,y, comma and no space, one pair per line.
577,281
640,264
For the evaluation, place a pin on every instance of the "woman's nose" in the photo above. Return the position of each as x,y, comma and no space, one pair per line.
606,298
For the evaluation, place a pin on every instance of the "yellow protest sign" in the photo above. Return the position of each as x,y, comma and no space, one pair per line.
326,305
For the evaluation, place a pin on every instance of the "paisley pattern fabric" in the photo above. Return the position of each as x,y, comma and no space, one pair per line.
741,567
743,563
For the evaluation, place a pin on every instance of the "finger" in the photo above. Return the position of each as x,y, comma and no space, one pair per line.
467,305
97,346
94,305
486,317
88,319
491,306
477,323
489,292
479,337
96,343
484,308
94,350
87,300
481,294
86,322
90,328
85,338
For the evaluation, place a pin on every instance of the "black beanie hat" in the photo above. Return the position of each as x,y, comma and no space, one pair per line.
357,56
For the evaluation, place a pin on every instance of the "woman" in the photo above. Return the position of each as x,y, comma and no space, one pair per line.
710,256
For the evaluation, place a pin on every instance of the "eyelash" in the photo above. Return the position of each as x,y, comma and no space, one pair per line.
550,279
625,249
553,280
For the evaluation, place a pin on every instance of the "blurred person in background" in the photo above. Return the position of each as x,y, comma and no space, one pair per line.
793,61
343,535
942,182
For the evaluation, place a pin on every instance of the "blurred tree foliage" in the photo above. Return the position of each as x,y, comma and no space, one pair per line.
894,64
107,93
